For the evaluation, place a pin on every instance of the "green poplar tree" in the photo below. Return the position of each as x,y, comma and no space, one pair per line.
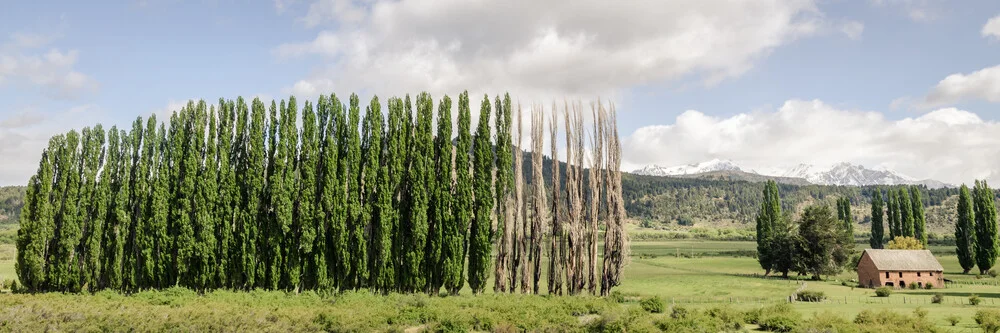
877,225
208,189
440,207
160,208
919,220
396,155
116,224
965,232
145,236
892,213
378,207
326,179
414,224
64,273
905,213
228,195
284,239
252,172
93,143
479,239
136,185
986,226
339,254
306,208
767,223
504,189
356,224
456,231
37,224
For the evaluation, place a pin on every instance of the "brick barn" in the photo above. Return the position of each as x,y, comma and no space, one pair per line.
899,269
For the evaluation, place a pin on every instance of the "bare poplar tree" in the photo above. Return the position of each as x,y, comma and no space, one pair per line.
557,250
538,194
616,247
517,219
596,163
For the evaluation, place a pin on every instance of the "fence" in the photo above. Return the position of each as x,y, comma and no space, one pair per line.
900,300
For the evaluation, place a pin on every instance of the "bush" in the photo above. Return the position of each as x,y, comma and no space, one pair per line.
953,319
731,318
679,312
920,313
988,320
913,286
652,304
992,273
780,323
810,296
883,291
938,298
826,321
974,299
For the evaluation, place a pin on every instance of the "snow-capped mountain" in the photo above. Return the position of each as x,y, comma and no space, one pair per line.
690,169
844,173
847,174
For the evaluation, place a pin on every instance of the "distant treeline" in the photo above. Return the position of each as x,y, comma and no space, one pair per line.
687,201
11,201
242,196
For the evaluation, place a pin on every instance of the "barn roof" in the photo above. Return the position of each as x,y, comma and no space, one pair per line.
904,260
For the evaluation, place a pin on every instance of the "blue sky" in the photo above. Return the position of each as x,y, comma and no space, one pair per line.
742,67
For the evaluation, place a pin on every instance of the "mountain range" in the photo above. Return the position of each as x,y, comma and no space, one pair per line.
844,174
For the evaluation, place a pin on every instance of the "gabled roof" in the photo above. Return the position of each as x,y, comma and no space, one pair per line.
904,260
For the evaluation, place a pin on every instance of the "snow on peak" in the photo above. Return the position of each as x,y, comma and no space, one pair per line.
689,169
843,173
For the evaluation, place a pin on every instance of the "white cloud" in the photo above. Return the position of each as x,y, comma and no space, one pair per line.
26,132
983,84
992,27
950,145
541,48
21,62
853,29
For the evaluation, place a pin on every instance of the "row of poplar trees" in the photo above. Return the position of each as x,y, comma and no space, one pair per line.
241,196
903,210
976,228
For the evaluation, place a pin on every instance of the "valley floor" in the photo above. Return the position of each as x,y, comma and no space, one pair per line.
685,273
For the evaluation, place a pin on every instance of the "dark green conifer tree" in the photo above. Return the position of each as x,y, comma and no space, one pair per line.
891,214
986,226
919,220
767,220
877,237
504,189
905,213
965,232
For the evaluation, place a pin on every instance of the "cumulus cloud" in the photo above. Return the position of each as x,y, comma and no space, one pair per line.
948,144
26,132
983,84
992,27
23,61
541,48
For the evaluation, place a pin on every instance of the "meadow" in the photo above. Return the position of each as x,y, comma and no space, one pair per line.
693,274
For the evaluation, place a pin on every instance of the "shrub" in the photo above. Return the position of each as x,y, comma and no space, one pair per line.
617,296
679,312
988,320
992,273
652,304
810,296
913,286
920,313
953,319
938,298
731,318
883,291
974,299
826,321
780,323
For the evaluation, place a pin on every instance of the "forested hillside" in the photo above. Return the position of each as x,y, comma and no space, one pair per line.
11,200
670,201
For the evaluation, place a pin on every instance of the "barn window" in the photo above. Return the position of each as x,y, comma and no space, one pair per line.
900,274
886,275
932,273
918,274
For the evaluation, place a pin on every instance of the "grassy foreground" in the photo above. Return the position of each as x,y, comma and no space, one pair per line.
713,282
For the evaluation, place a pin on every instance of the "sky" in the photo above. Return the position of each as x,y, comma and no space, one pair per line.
910,85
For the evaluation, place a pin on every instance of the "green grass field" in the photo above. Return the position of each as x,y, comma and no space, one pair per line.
689,273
